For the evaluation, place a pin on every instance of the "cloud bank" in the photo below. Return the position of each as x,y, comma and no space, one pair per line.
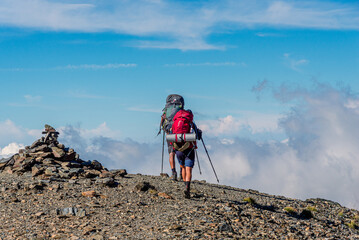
317,157
176,24
10,150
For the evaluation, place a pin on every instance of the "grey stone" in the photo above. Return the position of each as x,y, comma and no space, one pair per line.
75,171
36,143
51,171
225,227
110,182
144,186
96,165
71,211
64,173
48,161
120,172
75,164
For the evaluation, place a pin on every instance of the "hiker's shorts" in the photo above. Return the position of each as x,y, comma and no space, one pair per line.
186,158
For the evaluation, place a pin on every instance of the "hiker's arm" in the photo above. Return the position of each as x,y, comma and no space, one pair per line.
197,131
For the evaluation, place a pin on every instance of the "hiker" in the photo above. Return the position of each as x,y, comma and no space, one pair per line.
185,151
174,103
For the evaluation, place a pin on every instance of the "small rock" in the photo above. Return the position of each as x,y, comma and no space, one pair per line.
97,237
50,171
37,170
96,165
306,214
70,156
36,143
106,174
39,214
175,227
121,172
71,211
110,182
143,186
164,195
14,199
89,194
88,230
75,171
48,161
225,227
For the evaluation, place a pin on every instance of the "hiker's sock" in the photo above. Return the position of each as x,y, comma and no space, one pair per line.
187,190
174,174
181,174
188,185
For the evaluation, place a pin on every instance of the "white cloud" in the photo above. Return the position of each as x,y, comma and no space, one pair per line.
221,126
317,157
101,131
32,99
71,67
294,64
261,34
184,45
231,126
12,69
144,109
83,94
99,67
9,128
211,64
113,153
10,150
10,132
176,24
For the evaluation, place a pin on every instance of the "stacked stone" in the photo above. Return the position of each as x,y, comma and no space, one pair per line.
47,158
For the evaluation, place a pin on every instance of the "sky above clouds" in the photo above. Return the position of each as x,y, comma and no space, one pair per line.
273,84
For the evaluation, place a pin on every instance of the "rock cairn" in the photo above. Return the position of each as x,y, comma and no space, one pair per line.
47,158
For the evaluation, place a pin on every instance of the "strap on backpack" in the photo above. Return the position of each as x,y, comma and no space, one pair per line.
183,148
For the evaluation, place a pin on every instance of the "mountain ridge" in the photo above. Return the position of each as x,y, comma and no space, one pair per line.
153,207
48,192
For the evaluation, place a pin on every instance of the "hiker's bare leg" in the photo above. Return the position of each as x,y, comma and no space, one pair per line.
188,174
172,160
183,172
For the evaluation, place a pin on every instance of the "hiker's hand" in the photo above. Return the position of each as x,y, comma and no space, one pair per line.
199,134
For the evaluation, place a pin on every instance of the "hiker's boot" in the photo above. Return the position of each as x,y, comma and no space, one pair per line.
180,176
174,175
187,191
187,194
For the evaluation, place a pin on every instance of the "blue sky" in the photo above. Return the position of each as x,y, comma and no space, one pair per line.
102,70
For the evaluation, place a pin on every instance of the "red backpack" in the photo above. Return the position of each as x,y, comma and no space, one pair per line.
182,121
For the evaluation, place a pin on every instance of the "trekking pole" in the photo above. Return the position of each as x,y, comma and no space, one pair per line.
199,166
209,159
163,150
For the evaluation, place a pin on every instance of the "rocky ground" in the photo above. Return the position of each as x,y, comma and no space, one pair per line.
48,192
154,207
